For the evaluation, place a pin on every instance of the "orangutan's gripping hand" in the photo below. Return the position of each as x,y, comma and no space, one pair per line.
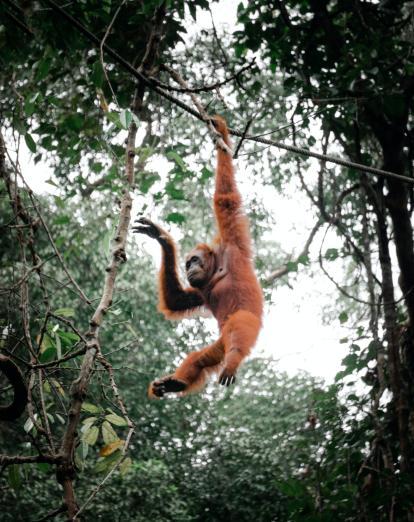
150,229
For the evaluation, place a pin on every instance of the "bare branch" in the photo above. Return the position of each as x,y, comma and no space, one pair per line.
7,460
246,130
205,88
284,269
216,136
101,48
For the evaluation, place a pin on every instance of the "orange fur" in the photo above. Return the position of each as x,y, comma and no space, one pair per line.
232,293
167,273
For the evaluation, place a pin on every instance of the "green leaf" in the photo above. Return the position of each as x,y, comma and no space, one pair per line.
331,254
173,156
135,119
31,145
53,100
174,192
105,464
65,312
89,420
58,347
51,182
84,449
303,259
106,6
90,435
175,217
343,317
47,341
60,418
74,122
108,433
68,339
14,478
43,467
125,118
97,75
110,448
114,118
116,420
59,202
29,107
350,361
28,425
61,220
206,174
79,460
292,266
147,180
48,354
193,11
292,488
59,387
96,167
91,408
43,67
125,467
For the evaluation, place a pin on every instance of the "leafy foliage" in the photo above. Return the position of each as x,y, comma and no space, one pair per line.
328,75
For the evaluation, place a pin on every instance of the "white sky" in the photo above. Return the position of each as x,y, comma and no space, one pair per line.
293,332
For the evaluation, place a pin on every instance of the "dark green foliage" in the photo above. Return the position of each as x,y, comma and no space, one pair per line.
276,447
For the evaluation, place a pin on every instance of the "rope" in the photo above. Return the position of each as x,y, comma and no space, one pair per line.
324,157
152,85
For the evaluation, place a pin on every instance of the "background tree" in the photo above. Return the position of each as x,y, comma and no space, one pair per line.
315,74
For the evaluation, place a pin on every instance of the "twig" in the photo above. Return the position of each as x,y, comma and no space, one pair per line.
101,48
7,460
44,412
32,269
205,88
56,250
246,130
108,367
337,285
284,269
56,362
46,228
216,136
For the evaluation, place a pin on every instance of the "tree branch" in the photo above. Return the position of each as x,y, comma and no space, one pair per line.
284,269
66,470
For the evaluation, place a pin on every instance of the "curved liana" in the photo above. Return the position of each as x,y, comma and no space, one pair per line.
13,410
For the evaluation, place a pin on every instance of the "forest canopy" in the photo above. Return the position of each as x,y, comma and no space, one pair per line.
112,99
